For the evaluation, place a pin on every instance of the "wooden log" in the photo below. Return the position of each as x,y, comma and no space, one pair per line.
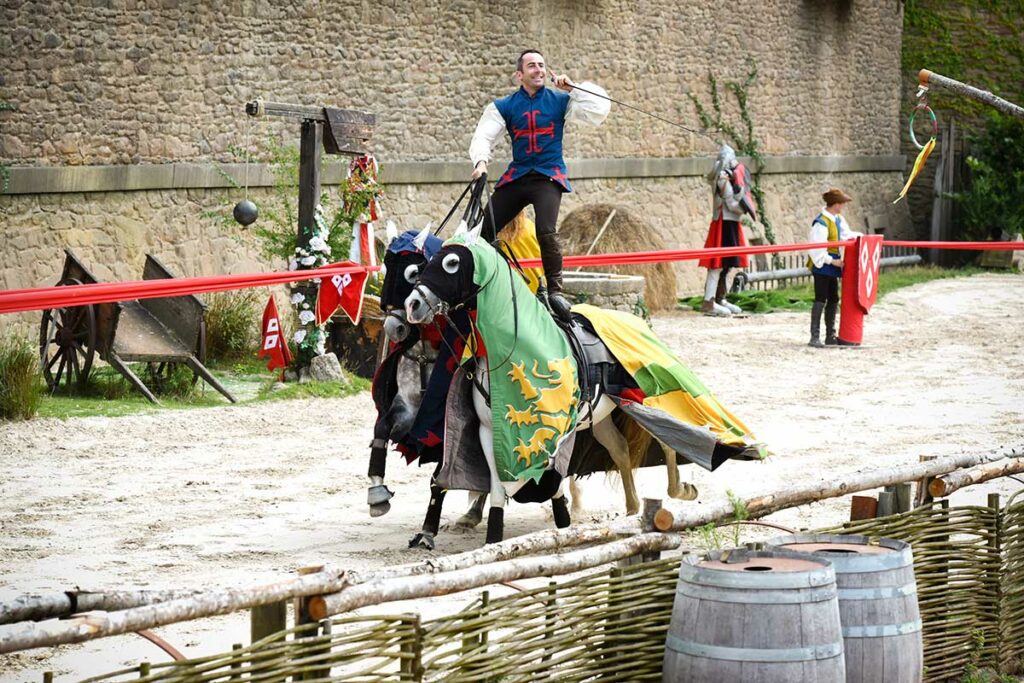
928,78
77,629
39,607
940,487
679,516
863,507
50,605
412,587
903,497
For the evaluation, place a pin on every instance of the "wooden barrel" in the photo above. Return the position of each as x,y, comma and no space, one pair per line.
755,616
877,604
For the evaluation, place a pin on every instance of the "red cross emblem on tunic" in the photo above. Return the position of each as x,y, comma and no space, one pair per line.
532,132
507,177
558,176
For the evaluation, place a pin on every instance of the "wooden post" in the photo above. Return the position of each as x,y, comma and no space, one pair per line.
863,507
411,666
325,649
923,497
886,503
309,179
267,619
995,548
236,666
550,618
144,668
903,497
48,677
300,608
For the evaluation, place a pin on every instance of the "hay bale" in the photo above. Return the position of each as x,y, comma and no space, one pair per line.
626,232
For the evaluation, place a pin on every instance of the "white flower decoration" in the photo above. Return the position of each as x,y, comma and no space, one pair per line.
318,243
299,336
307,260
293,265
306,317
298,298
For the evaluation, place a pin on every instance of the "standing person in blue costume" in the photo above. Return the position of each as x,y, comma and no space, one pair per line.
534,118
826,264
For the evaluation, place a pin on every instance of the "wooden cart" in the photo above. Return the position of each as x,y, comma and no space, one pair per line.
161,332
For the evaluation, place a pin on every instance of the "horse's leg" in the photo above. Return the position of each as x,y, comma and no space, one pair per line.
561,508
475,514
576,496
432,521
378,496
685,491
609,436
496,514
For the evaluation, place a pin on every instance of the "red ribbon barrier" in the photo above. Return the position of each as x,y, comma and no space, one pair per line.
39,298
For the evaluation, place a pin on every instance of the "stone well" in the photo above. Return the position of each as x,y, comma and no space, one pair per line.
607,290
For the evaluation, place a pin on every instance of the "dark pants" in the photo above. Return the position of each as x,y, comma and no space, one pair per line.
546,196
826,289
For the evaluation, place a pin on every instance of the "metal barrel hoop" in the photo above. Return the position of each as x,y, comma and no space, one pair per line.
923,106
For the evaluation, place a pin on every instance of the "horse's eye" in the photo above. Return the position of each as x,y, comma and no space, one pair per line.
411,273
451,264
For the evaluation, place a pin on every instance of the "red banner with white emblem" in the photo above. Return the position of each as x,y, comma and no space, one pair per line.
869,259
344,291
274,346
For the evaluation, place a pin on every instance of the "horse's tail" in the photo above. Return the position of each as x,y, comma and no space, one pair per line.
638,438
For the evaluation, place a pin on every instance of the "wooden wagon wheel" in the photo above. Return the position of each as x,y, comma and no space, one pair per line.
160,372
67,342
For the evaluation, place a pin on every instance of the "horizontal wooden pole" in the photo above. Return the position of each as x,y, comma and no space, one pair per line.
928,78
432,585
954,481
676,516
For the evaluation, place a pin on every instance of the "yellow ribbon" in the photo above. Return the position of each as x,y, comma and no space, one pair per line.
918,165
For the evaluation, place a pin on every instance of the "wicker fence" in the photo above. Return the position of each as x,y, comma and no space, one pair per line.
611,625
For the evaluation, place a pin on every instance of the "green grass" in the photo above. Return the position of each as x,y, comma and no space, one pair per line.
800,298
20,383
110,395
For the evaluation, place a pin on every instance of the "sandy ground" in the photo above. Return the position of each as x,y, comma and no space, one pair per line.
247,494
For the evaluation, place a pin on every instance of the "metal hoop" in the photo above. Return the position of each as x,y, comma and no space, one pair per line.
935,124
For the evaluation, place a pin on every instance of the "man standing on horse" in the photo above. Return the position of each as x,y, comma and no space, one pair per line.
534,118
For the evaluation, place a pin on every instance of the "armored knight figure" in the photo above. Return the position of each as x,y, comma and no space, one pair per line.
731,199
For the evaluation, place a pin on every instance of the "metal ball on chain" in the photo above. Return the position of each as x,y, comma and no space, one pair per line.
245,212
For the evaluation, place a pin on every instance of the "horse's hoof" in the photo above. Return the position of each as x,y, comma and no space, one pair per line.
685,492
379,494
422,540
469,520
495,525
380,509
561,510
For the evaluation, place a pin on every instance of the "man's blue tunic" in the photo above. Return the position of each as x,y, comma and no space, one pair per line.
535,124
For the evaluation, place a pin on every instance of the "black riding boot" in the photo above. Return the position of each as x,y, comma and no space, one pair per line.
816,324
551,259
830,323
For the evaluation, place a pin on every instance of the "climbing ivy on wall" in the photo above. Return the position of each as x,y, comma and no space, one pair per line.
980,42
741,139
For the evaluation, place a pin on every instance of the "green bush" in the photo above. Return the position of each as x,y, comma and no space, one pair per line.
232,326
20,384
992,204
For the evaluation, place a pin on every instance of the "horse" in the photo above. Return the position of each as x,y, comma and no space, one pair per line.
533,382
400,383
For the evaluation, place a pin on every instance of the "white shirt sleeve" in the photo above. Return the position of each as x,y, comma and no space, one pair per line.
586,108
844,231
729,197
488,130
820,257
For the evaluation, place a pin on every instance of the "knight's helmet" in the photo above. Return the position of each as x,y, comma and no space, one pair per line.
726,161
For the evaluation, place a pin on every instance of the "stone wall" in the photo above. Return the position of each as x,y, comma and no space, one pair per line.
150,81
135,83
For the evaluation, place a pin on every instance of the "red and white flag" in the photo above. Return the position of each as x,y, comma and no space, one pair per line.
363,249
345,291
274,346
